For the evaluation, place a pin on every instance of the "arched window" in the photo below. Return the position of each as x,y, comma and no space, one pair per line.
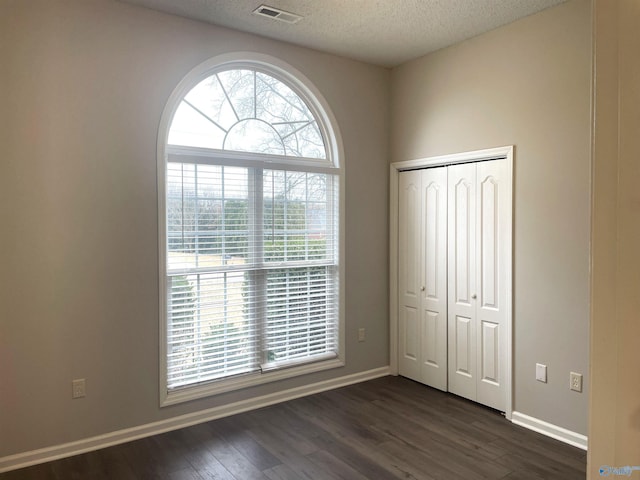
249,216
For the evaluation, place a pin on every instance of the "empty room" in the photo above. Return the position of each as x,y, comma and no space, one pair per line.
307,240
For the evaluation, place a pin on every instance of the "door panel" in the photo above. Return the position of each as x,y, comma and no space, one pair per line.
463,361
430,347
489,365
489,242
411,335
494,183
462,280
422,239
409,273
434,277
462,239
433,196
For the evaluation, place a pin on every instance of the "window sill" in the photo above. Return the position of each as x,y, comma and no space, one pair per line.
187,394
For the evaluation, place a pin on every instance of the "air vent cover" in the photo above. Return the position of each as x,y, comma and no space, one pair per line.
277,14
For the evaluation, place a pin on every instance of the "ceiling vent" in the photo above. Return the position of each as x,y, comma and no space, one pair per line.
277,14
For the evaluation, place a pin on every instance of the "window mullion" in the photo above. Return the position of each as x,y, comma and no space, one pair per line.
223,216
256,257
196,217
306,207
285,223
331,188
197,323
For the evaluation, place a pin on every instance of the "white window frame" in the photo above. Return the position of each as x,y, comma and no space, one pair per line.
333,164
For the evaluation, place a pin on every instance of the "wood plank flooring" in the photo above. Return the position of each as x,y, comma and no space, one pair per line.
389,428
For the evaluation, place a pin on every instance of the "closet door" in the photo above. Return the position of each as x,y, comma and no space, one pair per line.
409,273
454,278
479,228
493,234
422,274
433,328
462,280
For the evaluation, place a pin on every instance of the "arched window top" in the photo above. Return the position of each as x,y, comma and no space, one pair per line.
255,108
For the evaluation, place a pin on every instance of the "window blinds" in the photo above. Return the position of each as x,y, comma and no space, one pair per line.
252,270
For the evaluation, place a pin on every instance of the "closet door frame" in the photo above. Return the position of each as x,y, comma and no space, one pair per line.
505,152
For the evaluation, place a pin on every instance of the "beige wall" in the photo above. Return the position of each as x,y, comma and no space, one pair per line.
614,428
526,84
83,85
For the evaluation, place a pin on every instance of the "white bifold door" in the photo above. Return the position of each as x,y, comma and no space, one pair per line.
422,256
454,223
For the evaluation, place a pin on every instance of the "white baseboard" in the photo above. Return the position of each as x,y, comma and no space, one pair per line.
550,430
42,455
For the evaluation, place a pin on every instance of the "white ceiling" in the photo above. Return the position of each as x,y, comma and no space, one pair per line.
382,32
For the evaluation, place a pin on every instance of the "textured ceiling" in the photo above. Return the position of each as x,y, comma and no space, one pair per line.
382,32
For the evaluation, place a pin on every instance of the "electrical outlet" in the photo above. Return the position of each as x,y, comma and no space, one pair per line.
575,381
78,388
361,334
541,372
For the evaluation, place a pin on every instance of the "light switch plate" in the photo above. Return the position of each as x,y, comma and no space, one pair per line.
541,372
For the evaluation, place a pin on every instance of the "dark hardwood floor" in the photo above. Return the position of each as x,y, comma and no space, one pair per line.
389,428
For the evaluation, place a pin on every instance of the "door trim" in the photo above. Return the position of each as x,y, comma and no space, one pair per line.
505,152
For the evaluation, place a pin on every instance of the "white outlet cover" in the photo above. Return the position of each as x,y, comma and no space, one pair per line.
541,372
575,381
78,390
